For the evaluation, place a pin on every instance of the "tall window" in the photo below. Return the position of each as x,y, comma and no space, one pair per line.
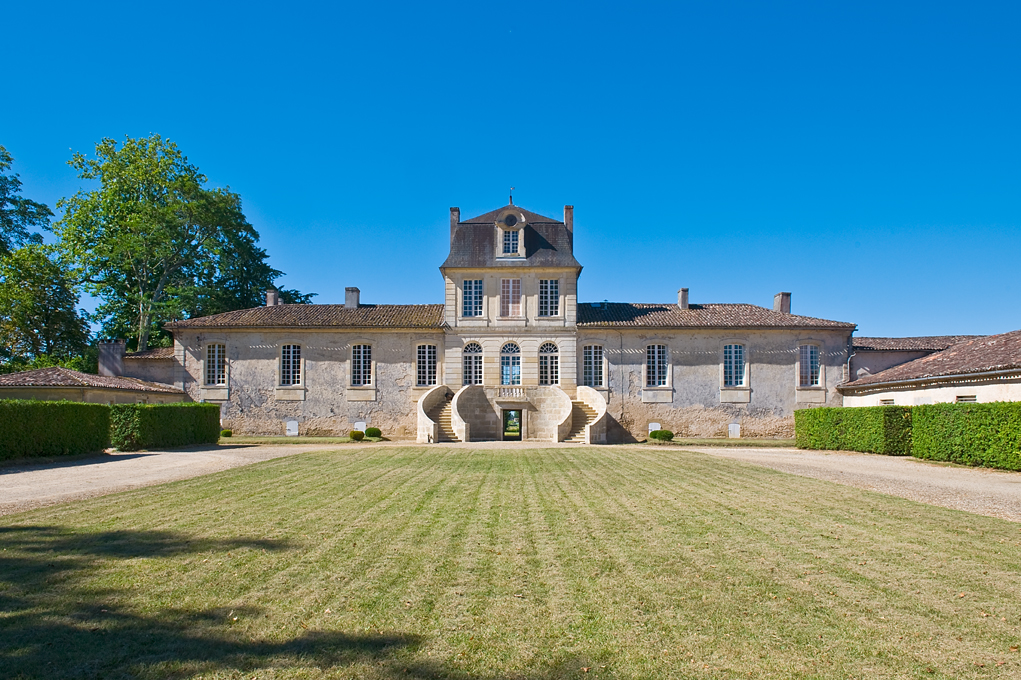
216,364
361,365
733,365
472,364
808,361
549,364
290,365
426,365
471,303
510,242
655,365
592,365
510,297
510,364
549,297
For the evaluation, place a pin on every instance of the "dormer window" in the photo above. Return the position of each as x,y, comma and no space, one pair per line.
510,241
509,224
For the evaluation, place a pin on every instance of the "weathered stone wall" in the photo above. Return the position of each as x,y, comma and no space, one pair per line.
482,417
875,361
151,370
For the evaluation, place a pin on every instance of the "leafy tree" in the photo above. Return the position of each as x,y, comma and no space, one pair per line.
153,243
17,214
37,308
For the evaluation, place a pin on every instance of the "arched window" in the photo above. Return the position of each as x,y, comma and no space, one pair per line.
549,364
472,363
510,364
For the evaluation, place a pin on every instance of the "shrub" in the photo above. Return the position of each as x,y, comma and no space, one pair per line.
662,435
150,426
357,435
872,429
226,433
373,432
52,428
970,434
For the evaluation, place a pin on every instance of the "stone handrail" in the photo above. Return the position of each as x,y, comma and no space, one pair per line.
462,428
429,430
595,432
564,426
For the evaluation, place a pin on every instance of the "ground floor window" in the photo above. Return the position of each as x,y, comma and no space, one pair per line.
472,364
733,365
290,365
655,365
426,365
510,364
549,364
592,366
216,364
361,365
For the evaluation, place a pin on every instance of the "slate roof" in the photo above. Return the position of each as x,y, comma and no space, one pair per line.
638,315
978,355
917,344
155,354
322,316
65,377
548,243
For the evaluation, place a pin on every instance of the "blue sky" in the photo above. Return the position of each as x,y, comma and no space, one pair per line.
864,156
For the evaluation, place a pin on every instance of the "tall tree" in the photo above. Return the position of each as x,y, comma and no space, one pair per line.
151,241
17,214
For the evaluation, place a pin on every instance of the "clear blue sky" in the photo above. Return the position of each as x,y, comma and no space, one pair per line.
864,156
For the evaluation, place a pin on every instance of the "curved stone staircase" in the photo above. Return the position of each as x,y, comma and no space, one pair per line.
581,415
440,414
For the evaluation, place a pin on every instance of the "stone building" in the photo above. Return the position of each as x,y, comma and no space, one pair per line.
510,353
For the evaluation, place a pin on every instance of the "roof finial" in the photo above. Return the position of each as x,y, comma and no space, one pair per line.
512,196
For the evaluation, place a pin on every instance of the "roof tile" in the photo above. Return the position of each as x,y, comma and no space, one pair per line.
65,377
627,315
919,344
322,316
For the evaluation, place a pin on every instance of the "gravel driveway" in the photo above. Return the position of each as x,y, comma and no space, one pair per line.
996,493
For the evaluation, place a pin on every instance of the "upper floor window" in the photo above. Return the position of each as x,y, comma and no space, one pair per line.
426,365
510,297
733,365
472,364
549,297
290,365
510,242
549,364
592,365
216,364
471,303
361,365
808,366
510,364
655,365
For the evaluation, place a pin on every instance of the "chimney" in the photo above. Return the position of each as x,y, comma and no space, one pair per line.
111,357
782,303
569,217
455,218
682,298
272,298
352,295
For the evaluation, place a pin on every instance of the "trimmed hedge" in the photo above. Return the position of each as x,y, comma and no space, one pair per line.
357,435
373,432
872,429
969,434
662,435
152,426
52,428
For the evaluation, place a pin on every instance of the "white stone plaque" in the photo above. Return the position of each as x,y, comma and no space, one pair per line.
360,426
734,431
292,428
654,426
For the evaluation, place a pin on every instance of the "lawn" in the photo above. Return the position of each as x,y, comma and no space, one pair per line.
425,562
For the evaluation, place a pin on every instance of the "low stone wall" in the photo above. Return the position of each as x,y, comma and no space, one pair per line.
476,410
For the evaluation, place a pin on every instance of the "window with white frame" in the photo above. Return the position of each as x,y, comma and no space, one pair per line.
549,364
471,301
216,364
361,365
510,364
510,297
510,242
592,365
733,365
472,364
808,366
290,365
655,365
549,297
426,365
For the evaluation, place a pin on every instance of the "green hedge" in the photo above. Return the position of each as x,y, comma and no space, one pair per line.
152,426
52,428
970,434
873,429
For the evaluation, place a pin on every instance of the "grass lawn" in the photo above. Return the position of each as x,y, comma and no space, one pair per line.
415,562
276,441
741,443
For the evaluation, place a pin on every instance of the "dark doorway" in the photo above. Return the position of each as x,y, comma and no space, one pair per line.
511,425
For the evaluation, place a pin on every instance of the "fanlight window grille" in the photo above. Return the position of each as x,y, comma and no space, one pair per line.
549,364
510,364
472,359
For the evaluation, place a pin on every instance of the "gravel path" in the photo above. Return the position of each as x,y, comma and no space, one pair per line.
995,493
27,486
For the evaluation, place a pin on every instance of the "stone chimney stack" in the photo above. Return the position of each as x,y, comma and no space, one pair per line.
682,298
272,298
569,217
782,303
111,357
455,218
352,297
